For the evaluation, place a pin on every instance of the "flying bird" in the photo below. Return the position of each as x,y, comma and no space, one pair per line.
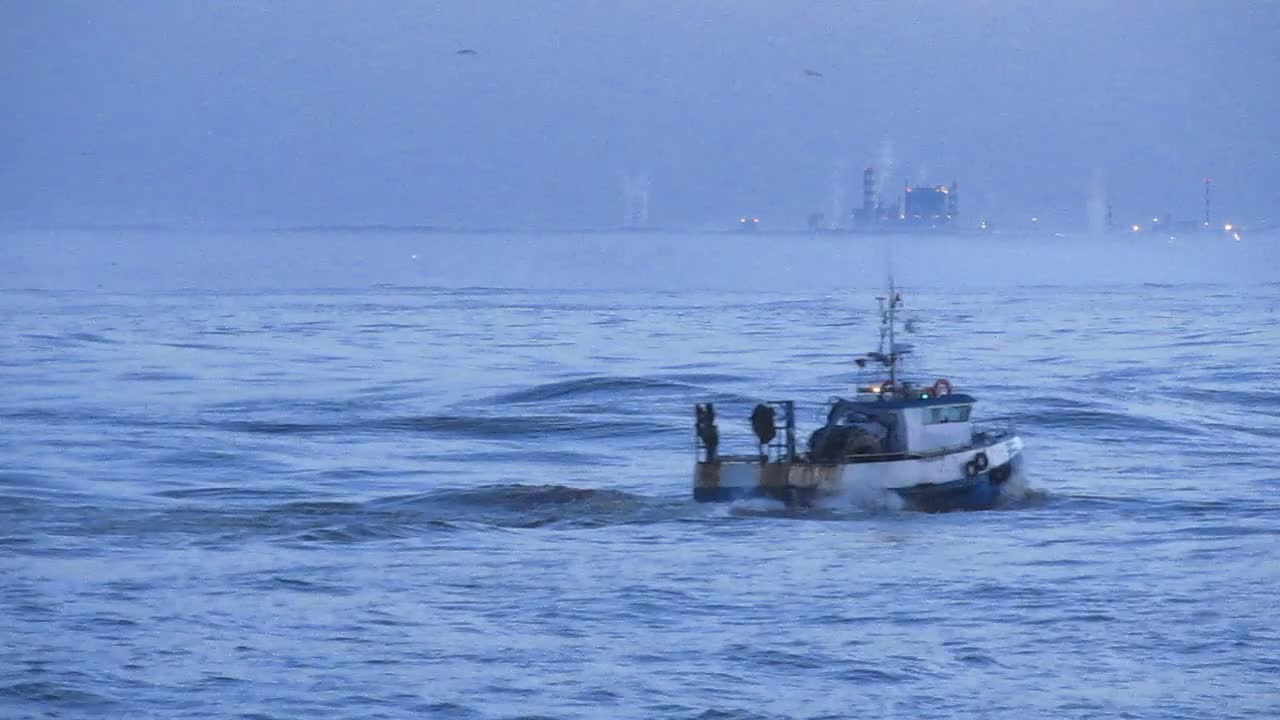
466,51
812,73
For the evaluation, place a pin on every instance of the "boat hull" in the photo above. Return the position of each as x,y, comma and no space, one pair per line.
934,484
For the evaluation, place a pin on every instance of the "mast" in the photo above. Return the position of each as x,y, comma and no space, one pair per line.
888,331
893,348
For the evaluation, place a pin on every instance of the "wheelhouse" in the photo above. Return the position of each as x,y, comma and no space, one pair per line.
883,425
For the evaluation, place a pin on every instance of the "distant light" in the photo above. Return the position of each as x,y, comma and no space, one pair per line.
755,220
1035,219
1136,228
1155,220
1228,227
742,219
1236,236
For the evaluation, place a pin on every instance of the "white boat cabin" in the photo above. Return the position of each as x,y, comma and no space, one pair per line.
908,421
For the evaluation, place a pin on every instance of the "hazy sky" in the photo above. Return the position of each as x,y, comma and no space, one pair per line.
322,112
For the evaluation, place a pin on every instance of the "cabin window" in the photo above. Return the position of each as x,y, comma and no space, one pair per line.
947,414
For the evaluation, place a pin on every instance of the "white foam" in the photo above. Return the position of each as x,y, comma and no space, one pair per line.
862,497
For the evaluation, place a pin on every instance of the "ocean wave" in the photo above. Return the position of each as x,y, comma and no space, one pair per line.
1127,425
155,376
476,426
68,340
1259,399
54,694
230,493
611,386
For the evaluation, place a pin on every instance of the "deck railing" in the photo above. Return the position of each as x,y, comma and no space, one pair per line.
781,448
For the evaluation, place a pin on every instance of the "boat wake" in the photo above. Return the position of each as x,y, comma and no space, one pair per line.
221,516
531,506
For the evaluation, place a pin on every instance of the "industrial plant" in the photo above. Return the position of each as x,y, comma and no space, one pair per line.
919,207
1166,224
935,209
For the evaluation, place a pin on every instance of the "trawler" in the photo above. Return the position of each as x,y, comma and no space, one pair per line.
912,439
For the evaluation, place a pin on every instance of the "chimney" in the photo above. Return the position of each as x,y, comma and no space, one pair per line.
1208,182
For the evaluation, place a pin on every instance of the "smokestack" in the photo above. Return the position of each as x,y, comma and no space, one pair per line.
635,197
869,189
837,196
1208,218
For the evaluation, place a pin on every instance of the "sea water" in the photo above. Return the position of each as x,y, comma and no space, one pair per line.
407,474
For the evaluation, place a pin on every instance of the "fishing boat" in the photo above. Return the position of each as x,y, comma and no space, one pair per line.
910,439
